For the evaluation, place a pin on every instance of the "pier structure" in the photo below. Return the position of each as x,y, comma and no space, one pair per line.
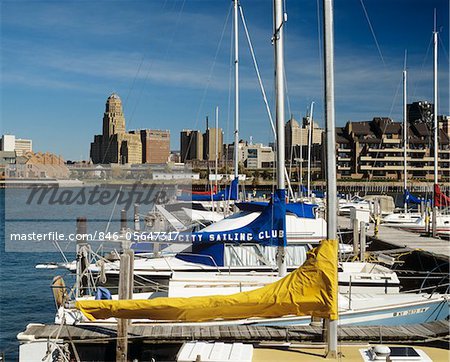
395,238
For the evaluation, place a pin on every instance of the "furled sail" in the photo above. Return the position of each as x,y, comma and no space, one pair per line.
409,198
309,290
440,199
268,228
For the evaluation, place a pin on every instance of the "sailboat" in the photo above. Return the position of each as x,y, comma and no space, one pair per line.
405,217
440,222
311,290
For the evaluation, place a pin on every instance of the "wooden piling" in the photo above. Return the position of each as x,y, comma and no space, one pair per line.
355,236
123,221
362,241
126,282
137,221
82,279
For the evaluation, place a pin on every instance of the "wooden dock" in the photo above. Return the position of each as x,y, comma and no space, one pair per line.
91,333
398,239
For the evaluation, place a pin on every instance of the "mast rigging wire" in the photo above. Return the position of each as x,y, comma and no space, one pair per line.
373,32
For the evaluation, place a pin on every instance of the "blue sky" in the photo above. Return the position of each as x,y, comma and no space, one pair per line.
170,64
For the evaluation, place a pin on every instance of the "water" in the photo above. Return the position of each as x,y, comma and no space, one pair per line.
25,293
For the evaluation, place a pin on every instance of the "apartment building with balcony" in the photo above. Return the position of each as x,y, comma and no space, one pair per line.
374,150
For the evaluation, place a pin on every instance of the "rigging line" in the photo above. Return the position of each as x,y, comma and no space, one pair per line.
139,69
208,83
142,88
319,37
395,98
288,100
210,76
366,184
287,92
230,82
211,70
448,59
372,31
113,209
177,22
263,92
261,86
423,65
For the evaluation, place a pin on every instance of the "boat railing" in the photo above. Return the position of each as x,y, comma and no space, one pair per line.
433,289
209,257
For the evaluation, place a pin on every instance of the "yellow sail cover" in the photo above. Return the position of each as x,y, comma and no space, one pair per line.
309,290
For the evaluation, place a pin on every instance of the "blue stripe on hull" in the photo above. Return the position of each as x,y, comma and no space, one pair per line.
413,314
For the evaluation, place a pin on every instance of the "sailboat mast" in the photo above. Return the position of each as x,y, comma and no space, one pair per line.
236,91
217,144
330,131
301,163
405,136
435,120
310,119
280,115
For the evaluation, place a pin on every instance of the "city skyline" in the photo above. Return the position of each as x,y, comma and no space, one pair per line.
61,61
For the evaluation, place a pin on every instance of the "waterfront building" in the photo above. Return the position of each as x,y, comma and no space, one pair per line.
209,144
296,136
155,145
18,145
191,144
8,143
7,158
116,145
257,156
374,149
23,146
37,165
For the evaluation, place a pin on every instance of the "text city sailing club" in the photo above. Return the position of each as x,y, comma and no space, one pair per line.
210,237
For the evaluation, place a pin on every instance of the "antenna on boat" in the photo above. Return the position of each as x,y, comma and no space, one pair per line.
330,130
435,123
280,116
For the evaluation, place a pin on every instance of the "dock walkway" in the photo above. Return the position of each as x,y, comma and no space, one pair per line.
90,333
438,247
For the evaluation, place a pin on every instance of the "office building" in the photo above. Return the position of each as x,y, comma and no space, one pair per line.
191,144
116,145
18,145
155,146
209,144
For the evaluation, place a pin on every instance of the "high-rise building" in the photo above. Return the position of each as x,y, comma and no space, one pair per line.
155,145
191,144
296,136
209,144
20,146
115,145
8,143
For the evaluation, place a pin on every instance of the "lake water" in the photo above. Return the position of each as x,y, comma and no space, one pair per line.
25,293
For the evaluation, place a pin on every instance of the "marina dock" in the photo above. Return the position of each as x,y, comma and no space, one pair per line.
396,238
85,333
